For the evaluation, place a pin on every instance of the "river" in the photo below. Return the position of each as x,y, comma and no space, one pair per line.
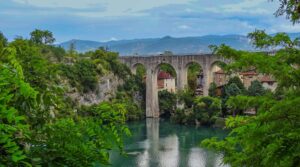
159,143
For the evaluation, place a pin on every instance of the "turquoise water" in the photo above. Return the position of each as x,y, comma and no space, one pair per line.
157,143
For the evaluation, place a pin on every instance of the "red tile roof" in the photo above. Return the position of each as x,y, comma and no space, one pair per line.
220,72
267,78
164,75
248,73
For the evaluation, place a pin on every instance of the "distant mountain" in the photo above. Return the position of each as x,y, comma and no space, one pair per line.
183,45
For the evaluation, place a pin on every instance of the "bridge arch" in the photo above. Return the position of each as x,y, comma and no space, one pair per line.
179,63
136,66
163,67
194,76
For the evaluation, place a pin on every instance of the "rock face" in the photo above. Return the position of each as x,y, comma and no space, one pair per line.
106,89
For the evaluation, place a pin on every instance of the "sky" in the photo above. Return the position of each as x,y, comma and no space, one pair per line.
104,20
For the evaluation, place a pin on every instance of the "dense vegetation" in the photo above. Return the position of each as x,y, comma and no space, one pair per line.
271,138
194,72
39,124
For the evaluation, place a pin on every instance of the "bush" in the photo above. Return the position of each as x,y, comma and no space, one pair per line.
207,109
167,102
212,91
82,74
256,89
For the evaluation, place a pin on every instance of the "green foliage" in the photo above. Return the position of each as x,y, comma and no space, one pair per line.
112,62
212,90
232,90
167,102
133,95
237,81
194,70
140,71
290,8
13,128
42,75
168,68
271,138
42,37
183,116
134,108
256,89
82,74
186,97
72,49
3,41
39,124
207,109
84,141
53,53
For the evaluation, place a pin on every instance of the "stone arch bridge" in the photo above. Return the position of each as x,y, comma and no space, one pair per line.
180,64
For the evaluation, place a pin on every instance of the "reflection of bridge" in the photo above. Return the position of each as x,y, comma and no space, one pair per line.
180,63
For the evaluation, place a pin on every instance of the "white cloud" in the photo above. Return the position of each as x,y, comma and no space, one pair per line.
286,27
184,27
245,6
112,7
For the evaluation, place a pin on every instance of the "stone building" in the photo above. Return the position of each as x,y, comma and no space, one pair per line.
247,77
220,77
268,82
165,81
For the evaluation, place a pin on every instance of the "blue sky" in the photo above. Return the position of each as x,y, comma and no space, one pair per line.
104,20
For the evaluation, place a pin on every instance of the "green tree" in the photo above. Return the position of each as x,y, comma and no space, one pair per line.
42,37
72,49
39,124
232,90
207,109
140,71
237,81
194,70
3,41
86,74
168,68
84,141
212,90
271,138
167,102
186,96
291,8
256,89
13,128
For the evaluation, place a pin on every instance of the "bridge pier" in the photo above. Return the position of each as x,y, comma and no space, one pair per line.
181,78
206,81
152,108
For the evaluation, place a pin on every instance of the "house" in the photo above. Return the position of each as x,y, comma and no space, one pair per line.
247,77
268,82
165,81
220,77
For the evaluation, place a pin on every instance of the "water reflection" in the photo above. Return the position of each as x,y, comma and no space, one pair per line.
161,144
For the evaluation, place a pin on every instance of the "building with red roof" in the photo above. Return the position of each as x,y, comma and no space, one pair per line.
165,81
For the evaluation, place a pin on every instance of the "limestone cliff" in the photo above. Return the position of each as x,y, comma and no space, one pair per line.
106,89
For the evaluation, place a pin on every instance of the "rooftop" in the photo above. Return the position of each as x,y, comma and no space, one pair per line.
164,75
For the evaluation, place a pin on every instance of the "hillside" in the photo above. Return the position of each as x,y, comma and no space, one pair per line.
183,45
